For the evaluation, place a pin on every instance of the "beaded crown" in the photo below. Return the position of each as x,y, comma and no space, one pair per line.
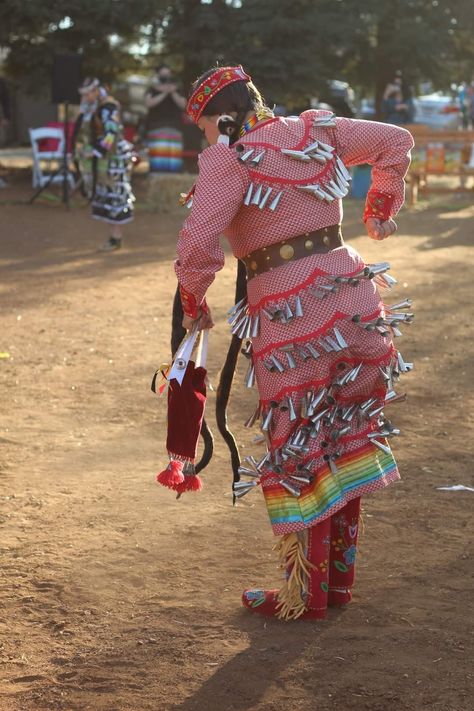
207,89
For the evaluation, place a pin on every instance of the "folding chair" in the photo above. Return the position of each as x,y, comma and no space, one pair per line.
41,176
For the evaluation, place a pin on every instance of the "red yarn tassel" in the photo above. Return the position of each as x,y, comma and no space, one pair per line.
172,476
191,483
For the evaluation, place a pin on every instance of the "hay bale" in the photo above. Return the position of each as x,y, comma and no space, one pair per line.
164,190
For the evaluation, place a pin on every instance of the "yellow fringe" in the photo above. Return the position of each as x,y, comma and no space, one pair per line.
291,552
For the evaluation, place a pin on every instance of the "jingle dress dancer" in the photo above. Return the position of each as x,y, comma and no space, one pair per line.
106,160
319,338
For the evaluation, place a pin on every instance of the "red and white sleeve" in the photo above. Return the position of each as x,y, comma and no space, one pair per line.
219,193
387,149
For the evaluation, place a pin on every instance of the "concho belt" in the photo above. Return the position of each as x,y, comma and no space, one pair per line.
289,250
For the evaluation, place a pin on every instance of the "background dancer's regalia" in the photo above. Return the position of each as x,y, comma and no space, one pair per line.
319,336
105,159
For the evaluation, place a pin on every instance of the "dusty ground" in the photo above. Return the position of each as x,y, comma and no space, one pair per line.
114,596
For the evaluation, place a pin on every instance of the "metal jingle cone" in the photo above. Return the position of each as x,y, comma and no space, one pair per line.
344,171
232,320
303,407
257,196
325,195
374,413
298,307
290,360
325,121
326,346
340,338
248,330
274,203
247,349
336,189
315,430
349,413
237,306
301,479
265,198
318,157
261,463
320,193
341,177
255,329
355,372
238,325
288,312
396,333
332,466
379,268
316,400
311,147
269,365
269,314
393,397
368,404
405,304
332,416
256,159
334,192
401,363
312,350
386,374
304,354
267,421
340,433
320,415
244,471
240,494
385,448
296,155
240,485
326,147
321,152
253,417
250,377
383,331
291,409
277,460
258,439
248,195
252,461
293,489
242,332
246,155
330,288
278,365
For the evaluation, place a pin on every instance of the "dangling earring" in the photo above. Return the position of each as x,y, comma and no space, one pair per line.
227,128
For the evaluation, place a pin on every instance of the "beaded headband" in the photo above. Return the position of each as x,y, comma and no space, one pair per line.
223,76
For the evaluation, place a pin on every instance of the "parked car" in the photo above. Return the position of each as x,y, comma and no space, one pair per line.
437,110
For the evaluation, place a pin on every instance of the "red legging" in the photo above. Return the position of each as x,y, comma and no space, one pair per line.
332,550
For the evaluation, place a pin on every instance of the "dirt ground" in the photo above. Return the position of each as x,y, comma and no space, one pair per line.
117,597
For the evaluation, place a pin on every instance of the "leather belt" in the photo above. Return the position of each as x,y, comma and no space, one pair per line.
289,250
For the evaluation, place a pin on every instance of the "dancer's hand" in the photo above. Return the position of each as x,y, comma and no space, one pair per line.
379,230
204,320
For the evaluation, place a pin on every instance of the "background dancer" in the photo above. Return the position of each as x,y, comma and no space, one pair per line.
105,159
319,336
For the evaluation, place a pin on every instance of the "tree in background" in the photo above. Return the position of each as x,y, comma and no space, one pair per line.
292,47
101,30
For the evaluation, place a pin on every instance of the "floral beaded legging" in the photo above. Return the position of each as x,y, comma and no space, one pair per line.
332,551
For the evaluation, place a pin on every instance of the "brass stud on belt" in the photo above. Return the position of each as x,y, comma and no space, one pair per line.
253,265
287,251
326,240
309,244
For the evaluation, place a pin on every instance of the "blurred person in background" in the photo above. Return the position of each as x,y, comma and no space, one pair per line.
164,135
394,107
105,160
5,114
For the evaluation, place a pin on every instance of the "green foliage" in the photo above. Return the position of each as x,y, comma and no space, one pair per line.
291,47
